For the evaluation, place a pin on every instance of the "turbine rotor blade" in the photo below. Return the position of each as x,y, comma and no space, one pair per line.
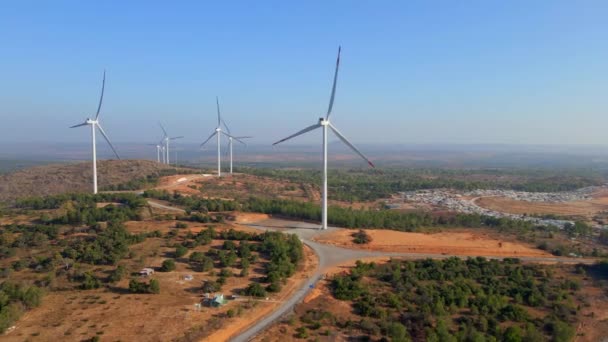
227,129
217,102
211,136
235,138
173,138
344,140
103,86
333,88
163,128
107,139
79,125
307,129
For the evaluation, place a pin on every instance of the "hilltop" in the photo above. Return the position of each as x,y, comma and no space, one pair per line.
61,178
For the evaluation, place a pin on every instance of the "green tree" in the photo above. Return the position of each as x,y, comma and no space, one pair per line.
168,265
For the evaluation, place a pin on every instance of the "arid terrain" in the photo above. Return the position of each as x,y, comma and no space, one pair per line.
463,242
113,313
587,209
77,177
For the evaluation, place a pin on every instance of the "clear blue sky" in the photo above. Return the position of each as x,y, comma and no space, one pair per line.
412,71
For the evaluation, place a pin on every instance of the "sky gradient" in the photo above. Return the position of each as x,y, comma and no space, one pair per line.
529,72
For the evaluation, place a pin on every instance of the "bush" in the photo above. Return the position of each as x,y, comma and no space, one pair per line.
154,286
141,287
181,225
168,265
255,290
361,237
180,251
117,274
89,281
301,332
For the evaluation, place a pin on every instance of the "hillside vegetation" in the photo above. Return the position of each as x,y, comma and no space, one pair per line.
62,178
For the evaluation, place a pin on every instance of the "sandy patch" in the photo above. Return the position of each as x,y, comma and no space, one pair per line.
450,243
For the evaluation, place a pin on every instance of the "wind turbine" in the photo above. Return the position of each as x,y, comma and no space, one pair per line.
230,138
325,124
94,123
218,132
166,139
158,149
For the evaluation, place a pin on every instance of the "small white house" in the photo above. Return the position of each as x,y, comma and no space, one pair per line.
146,272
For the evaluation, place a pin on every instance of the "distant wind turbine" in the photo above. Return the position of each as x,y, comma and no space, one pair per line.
166,139
158,149
94,123
230,138
218,132
324,123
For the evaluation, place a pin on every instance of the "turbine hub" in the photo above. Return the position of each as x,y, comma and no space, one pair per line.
218,129
323,122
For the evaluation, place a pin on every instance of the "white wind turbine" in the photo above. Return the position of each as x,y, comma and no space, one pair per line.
230,139
324,123
158,149
94,123
166,140
218,132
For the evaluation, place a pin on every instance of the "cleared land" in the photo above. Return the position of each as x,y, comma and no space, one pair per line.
450,243
584,209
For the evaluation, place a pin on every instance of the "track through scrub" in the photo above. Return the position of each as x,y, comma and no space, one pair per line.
331,256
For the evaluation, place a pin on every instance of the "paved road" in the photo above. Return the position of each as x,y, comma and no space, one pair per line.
329,256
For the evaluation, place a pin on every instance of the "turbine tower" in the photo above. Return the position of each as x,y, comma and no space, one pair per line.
325,124
94,123
166,140
218,132
230,139
158,149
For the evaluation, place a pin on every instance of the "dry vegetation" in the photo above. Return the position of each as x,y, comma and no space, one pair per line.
589,210
62,178
457,242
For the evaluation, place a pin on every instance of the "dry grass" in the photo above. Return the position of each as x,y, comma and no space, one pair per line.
461,242
62,178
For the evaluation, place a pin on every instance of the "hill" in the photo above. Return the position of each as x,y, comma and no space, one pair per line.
61,178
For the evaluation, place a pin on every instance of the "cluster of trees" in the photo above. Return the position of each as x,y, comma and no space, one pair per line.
460,300
15,299
193,203
153,286
283,253
149,180
82,208
107,247
388,219
368,185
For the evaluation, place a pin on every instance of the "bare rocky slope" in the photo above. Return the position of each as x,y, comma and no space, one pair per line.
64,178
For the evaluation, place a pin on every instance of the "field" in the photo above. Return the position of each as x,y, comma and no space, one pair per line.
463,242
